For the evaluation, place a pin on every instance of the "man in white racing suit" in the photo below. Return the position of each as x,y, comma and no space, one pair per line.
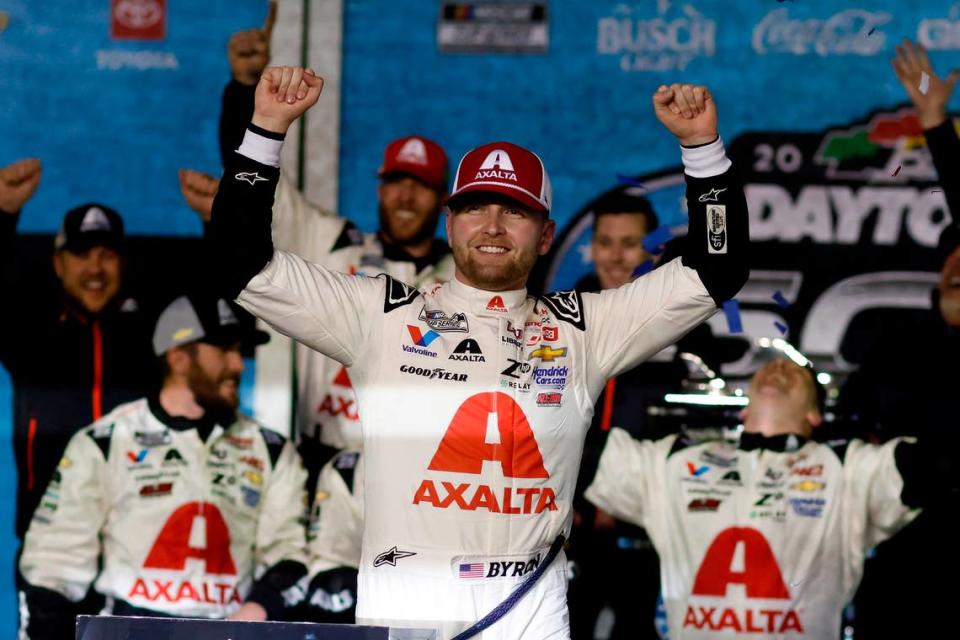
333,542
765,539
192,509
474,397
413,184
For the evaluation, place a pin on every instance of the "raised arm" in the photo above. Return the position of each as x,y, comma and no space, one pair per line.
930,96
327,311
639,319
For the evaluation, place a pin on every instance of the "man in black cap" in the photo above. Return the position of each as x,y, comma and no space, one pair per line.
73,354
178,475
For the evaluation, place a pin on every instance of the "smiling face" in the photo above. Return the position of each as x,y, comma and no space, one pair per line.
617,247
496,242
91,278
409,210
949,287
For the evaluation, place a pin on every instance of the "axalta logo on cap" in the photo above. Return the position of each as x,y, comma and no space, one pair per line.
496,304
497,165
413,151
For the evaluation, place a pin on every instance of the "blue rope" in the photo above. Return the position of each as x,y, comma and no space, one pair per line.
504,607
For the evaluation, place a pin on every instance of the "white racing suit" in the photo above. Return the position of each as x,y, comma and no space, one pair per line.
183,525
327,408
474,404
333,540
762,541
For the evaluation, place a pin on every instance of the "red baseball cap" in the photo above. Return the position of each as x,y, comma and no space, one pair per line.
506,169
419,157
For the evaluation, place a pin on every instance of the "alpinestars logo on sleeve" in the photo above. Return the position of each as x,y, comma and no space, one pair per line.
566,305
250,177
711,196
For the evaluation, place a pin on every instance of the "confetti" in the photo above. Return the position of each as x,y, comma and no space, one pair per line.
628,180
780,300
924,83
782,328
653,242
731,308
642,268
872,29
895,173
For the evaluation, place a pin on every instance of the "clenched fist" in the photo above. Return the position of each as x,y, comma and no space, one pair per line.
198,189
18,181
249,51
688,112
283,95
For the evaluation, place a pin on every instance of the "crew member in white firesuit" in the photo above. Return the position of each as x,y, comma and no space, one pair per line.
767,537
184,506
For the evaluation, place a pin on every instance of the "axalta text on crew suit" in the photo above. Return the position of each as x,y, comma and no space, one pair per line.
185,524
765,539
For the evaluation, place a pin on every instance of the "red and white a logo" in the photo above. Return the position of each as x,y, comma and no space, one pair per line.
465,448
195,530
497,165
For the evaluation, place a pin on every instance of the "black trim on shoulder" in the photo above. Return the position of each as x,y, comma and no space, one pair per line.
260,131
349,236
346,465
682,442
839,448
567,306
274,442
397,294
101,436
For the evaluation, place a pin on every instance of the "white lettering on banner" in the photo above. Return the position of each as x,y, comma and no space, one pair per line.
829,319
941,33
837,214
662,43
850,32
115,59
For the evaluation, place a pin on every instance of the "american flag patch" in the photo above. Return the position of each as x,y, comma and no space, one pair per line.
472,570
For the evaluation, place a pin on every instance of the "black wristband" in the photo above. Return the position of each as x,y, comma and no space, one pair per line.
260,131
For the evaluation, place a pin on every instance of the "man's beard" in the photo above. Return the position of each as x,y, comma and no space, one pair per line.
493,278
206,392
402,235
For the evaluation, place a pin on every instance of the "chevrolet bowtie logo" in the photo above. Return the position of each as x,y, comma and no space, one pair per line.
390,557
546,354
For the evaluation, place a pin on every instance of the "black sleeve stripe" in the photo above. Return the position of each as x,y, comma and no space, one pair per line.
102,439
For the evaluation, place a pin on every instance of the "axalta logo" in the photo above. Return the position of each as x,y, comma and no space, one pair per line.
742,556
195,523
413,151
464,449
467,351
340,403
496,304
497,165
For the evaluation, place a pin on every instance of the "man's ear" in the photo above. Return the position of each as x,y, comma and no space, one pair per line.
814,418
546,236
178,361
57,261
744,413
